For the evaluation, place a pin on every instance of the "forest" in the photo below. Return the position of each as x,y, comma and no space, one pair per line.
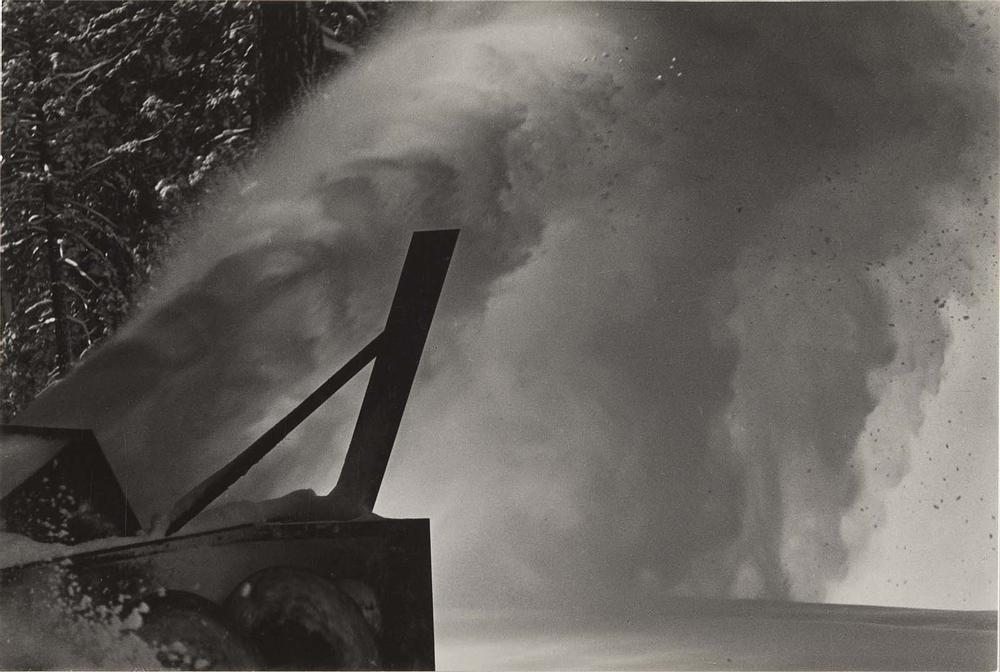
117,120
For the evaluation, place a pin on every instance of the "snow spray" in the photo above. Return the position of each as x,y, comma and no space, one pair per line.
714,264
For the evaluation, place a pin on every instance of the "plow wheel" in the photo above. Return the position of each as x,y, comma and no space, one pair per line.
300,620
189,632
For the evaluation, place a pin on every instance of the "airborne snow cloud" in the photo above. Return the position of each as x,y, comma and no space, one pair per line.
700,246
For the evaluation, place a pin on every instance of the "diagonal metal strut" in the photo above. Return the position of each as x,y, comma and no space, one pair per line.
206,492
395,367
396,352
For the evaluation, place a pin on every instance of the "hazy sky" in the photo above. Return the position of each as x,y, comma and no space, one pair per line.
722,320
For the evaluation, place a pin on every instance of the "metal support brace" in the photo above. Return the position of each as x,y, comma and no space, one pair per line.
396,364
396,352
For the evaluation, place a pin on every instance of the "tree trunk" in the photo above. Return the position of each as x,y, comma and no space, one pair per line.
289,57
53,257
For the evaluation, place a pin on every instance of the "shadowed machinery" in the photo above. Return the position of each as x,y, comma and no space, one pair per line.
308,582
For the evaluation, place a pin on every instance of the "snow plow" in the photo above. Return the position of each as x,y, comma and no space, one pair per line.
314,582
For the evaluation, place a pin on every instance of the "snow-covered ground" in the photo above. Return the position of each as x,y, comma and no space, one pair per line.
730,634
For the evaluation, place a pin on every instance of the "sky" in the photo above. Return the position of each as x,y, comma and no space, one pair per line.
721,322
